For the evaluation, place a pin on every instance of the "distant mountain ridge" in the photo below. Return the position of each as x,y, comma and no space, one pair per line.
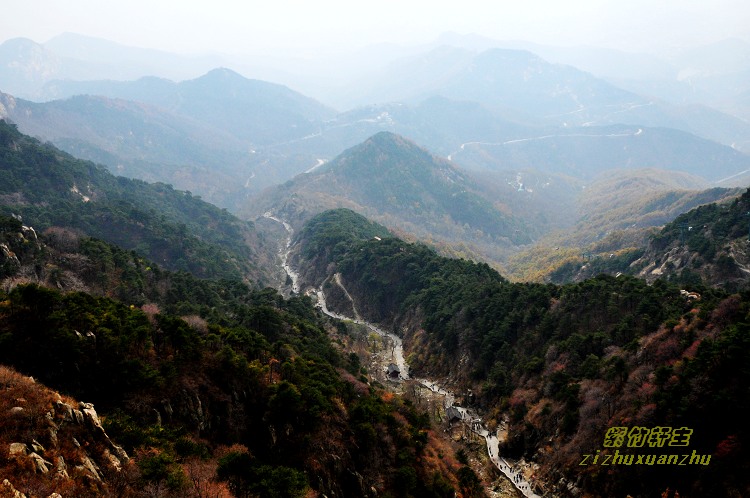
27,66
586,152
199,134
550,93
253,110
227,137
136,140
537,131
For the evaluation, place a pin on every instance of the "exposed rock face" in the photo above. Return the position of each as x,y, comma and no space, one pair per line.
41,465
61,468
113,455
88,466
55,444
18,449
16,410
191,409
8,491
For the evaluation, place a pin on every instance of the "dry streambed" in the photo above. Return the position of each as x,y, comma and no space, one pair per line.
436,397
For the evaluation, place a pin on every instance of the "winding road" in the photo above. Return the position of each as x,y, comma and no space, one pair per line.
636,133
514,475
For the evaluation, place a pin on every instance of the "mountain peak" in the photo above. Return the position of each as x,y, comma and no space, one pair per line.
20,49
19,43
229,79
384,151
221,76
389,177
223,73
389,138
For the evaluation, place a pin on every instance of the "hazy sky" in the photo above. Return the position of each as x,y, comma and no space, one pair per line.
310,25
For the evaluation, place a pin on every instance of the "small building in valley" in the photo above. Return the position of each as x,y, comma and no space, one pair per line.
393,371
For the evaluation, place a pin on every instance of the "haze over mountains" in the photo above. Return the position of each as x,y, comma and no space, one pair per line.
713,75
527,129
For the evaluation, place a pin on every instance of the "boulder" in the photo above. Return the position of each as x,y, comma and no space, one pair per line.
61,469
38,448
40,464
18,449
64,410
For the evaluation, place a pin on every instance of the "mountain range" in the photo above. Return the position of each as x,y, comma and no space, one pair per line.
226,137
613,211
712,75
503,217
149,303
27,66
199,134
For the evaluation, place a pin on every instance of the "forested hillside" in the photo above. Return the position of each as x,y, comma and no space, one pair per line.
564,364
46,187
209,386
707,244
393,181
155,306
616,216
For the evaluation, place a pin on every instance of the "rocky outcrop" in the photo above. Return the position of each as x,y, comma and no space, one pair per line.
53,444
8,491
113,456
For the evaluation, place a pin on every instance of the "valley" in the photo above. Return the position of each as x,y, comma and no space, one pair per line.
468,416
392,352
455,274
387,285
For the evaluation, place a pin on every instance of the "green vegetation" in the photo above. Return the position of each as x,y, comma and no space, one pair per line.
617,214
706,229
707,245
50,188
331,232
190,375
216,374
397,183
267,379
566,362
